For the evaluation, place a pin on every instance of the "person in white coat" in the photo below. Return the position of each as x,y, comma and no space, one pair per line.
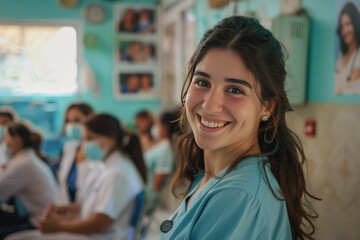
26,178
68,176
107,199
160,159
6,117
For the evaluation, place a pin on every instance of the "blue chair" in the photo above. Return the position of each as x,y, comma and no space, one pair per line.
136,217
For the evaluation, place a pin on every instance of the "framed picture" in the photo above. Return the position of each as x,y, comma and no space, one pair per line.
133,51
138,19
135,84
136,53
347,67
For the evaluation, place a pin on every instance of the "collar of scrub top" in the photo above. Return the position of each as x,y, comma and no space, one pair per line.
167,225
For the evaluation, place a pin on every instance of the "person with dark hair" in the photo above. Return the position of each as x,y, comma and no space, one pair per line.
243,162
6,117
144,121
27,179
74,117
347,73
129,21
160,159
37,140
68,176
107,199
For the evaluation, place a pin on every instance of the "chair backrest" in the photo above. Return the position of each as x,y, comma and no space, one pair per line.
135,218
139,203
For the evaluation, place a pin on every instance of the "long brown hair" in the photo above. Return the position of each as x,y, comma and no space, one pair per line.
107,125
28,138
263,56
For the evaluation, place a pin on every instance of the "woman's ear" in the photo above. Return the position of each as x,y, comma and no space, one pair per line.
269,107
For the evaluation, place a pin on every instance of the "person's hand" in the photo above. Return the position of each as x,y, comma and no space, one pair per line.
50,221
67,212
50,210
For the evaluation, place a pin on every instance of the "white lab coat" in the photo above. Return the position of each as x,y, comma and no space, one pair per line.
31,180
111,190
68,157
4,159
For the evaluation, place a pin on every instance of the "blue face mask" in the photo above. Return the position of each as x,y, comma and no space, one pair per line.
73,131
92,151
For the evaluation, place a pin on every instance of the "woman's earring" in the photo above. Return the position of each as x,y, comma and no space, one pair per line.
265,118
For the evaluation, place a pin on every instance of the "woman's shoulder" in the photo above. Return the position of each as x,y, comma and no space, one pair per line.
251,177
120,164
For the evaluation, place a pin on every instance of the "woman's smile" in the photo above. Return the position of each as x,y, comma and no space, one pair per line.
211,125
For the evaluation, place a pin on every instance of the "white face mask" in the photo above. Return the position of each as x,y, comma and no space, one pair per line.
155,132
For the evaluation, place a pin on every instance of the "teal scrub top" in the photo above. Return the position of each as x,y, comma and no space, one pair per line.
239,205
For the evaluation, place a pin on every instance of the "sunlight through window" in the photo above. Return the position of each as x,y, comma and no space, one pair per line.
38,60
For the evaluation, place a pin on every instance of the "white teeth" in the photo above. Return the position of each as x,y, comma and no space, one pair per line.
212,124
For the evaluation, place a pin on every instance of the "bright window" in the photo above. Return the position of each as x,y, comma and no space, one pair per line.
38,59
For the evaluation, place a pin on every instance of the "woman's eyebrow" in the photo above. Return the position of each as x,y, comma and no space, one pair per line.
230,80
203,74
238,81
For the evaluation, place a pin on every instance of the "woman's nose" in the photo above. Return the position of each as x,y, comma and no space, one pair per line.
213,102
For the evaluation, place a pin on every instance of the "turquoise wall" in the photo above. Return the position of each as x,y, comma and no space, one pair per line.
322,43
322,53
100,59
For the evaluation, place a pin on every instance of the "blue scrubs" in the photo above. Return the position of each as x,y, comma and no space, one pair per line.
239,205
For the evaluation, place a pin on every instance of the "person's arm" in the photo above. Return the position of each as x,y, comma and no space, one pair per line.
65,212
159,180
355,75
96,223
11,181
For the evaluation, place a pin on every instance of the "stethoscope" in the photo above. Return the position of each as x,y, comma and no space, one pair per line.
352,64
166,225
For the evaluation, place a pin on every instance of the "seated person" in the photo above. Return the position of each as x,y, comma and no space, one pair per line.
160,159
107,199
68,176
6,117
27,178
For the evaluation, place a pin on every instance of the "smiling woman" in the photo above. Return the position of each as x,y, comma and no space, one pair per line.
242,161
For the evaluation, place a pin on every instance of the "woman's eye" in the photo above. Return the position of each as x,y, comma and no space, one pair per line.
202,83
235,90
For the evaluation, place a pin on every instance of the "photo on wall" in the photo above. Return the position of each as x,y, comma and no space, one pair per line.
347,69
136,19
136,52
135,84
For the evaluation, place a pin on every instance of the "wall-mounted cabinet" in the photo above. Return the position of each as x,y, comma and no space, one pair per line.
293,33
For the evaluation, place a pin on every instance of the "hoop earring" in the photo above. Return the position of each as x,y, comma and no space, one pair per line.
266,138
